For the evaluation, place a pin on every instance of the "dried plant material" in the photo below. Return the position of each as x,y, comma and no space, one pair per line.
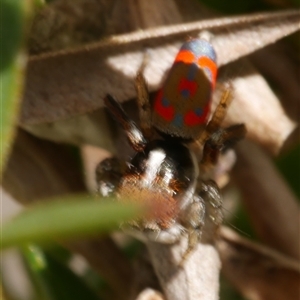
258,272
91,156
271,206
194,10
109,261
68,83
63,23
287,63
256,105
145,277
39,169
246,37
152,14
150,294
92,128
197,278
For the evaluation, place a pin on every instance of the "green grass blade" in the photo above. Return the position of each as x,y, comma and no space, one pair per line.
68,218
14,15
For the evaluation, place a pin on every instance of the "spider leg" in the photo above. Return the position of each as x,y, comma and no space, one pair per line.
193,219
203,216
143,100
108,175
211,195
218,116
134,134
219,141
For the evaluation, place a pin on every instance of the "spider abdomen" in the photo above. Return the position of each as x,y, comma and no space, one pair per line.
181,108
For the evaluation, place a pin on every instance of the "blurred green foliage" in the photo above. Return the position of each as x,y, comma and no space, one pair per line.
69,217
52,279
14,15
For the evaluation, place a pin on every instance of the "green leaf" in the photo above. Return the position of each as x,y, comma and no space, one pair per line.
13,18
54,280
39,4
68,218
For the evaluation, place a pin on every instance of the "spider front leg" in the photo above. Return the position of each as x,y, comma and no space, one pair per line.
218,116
216,139
143,100
134,134
108,176
203,216
210,193
193,219
220,141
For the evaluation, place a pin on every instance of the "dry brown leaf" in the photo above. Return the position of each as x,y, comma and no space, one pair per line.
255,105
62,23
146,14
272,208
67,83
109,261
92,128
287,63
258,272
119,81
39,169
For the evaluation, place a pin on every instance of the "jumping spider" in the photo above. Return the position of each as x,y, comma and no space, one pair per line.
165,171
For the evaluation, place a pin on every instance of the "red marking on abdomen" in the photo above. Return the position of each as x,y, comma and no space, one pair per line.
206,62
185,56
185,84
191,119
167,112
